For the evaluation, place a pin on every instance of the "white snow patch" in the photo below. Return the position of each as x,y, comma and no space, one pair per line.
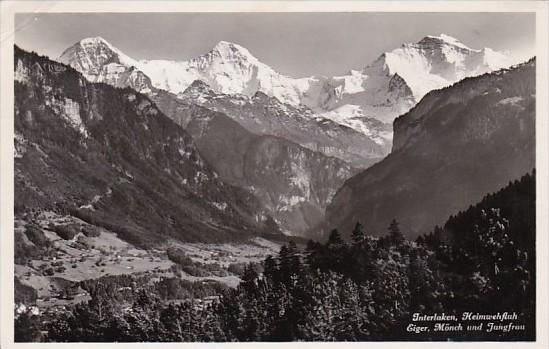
451,40
350,115
496,60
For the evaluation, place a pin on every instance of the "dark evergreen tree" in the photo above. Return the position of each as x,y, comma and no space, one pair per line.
335,239
357,235
285,265
395,235
270,269
249,280
295,259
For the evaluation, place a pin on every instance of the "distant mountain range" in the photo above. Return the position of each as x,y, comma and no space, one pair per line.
382,90
455,146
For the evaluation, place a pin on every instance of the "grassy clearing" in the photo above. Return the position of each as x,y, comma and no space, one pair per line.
225,254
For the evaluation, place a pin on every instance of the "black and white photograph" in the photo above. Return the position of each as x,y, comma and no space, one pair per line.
274,176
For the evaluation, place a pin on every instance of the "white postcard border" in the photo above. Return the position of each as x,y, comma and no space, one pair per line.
7,32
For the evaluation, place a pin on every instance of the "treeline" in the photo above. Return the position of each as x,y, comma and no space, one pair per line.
365,289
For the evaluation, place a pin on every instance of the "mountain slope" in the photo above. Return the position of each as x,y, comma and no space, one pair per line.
294,184
456,145
110,156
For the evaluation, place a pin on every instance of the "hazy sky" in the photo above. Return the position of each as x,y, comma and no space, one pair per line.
296,44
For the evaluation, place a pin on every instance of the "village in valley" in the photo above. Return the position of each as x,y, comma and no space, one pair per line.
78,251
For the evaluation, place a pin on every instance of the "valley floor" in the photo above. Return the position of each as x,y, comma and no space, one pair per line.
54,276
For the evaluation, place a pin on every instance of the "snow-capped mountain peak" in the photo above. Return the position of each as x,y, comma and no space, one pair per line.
443,39
99,61
227,68
91,54
97,41
228,49
94,41
225,52
435,62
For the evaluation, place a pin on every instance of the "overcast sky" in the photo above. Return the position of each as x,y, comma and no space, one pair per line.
295,44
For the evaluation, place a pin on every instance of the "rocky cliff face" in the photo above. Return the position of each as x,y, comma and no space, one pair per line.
264,115
294,184
458,144
111,157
